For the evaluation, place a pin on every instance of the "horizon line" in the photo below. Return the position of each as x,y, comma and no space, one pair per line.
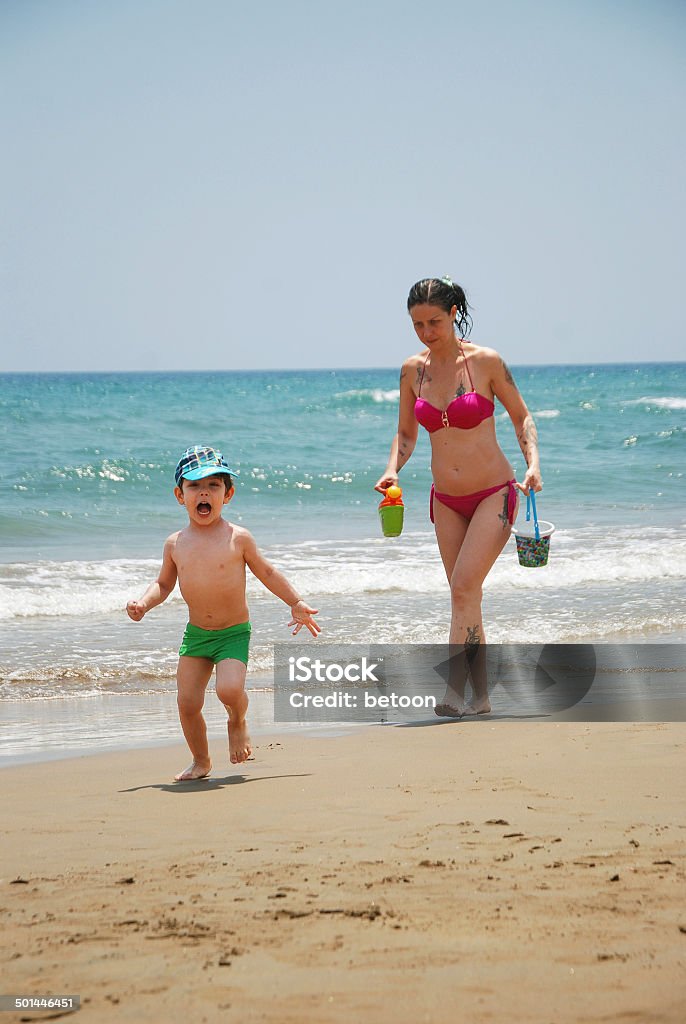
319,369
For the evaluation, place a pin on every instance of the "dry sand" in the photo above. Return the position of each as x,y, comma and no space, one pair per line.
474,871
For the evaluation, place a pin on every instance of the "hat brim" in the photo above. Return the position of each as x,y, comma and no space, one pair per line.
203,471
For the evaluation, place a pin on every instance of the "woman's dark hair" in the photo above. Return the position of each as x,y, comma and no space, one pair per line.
441,292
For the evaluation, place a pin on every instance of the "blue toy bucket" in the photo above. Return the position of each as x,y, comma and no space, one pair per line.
533,541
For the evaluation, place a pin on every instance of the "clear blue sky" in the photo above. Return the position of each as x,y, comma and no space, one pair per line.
232,185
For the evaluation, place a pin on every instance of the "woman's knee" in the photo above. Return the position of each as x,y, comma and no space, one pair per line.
463,592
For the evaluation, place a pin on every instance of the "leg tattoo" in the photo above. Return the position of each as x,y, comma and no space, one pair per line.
473,637
503,516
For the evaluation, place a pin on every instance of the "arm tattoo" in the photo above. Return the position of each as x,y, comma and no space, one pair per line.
528,438
508,376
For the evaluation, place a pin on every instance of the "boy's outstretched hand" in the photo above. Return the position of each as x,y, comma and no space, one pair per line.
135,610
301,615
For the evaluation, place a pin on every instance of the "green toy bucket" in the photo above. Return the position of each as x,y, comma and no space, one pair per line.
391,519
533,541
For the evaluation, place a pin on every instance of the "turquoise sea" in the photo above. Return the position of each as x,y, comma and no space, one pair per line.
86,484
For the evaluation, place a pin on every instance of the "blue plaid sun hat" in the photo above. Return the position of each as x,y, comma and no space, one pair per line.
200,461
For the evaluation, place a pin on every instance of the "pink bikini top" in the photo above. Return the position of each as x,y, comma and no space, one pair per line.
464,412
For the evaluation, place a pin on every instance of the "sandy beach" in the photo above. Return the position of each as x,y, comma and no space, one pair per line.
472,871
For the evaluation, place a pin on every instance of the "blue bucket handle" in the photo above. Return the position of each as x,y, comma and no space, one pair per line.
531,504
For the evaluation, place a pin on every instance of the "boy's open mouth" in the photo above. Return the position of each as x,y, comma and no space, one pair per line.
204,508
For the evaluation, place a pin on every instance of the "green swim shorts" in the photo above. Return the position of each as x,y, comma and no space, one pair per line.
217,644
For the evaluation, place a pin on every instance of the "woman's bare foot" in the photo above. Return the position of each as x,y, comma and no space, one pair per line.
239,741
453,704
452,709
478,707
195,770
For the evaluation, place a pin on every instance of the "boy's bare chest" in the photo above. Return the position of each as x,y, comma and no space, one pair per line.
196,560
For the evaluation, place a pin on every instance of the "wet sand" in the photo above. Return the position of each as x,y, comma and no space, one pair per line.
459,871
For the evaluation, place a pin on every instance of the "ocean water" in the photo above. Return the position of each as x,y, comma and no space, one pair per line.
86,484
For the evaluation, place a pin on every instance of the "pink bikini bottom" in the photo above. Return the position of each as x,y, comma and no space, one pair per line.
467,504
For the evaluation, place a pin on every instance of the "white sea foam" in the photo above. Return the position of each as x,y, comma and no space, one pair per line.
100,674
69,589
661,402
586,557
590,557
378,395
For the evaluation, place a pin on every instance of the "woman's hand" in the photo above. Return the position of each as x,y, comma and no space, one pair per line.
386,481
532,481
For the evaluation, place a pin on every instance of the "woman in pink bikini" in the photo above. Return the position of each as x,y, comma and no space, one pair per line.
449,389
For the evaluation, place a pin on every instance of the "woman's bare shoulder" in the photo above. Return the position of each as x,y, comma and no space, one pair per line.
482,352
418,359
412,370
492,364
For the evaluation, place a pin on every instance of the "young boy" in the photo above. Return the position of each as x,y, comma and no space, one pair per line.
209,558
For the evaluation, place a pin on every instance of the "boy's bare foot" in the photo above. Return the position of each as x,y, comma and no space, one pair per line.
239,741
195,770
